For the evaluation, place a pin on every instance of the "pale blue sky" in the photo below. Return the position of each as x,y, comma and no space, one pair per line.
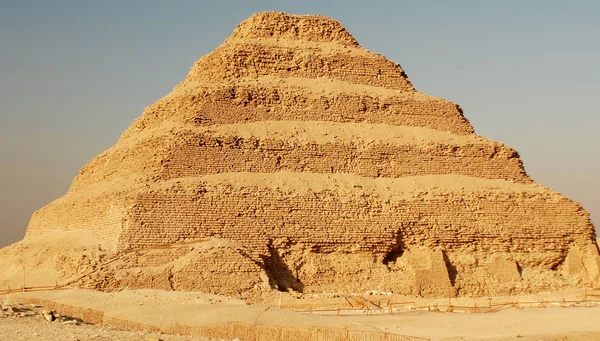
75,74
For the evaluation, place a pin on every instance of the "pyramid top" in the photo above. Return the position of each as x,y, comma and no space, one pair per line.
279,25
284,67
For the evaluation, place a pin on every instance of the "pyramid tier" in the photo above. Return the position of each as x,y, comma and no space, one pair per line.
269,98
299,99
277,44
100,209
299,71
296,58
330,213
322,147
341,212
370,150
277,25
414,235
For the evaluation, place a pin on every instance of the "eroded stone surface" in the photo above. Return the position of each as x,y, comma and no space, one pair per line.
292,158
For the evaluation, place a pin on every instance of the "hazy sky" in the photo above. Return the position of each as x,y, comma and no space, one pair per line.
75,74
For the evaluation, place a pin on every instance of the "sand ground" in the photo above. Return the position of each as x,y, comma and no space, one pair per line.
38,329
25,322
507,324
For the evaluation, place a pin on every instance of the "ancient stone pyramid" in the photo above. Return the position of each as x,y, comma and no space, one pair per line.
292,158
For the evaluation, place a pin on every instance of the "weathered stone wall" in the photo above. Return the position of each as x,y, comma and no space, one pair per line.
237,104
218,266
275,105
313,232
243,60
164,154
254,217
198,154
103,214
295,27
137,160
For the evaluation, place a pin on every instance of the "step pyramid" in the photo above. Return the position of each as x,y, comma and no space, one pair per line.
292,158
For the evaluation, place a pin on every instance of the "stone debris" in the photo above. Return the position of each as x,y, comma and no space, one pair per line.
291,158
70,322
31,310
48,315
33,326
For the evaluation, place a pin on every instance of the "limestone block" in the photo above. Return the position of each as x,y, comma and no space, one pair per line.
583,263
430,271
504,270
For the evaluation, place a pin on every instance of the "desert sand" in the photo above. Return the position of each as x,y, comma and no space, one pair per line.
38,329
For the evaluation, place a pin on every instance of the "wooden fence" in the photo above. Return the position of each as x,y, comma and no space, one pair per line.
393,307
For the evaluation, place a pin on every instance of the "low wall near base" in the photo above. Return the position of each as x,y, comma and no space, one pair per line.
232,330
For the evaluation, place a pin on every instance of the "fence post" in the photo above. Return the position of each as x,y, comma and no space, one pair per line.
280,300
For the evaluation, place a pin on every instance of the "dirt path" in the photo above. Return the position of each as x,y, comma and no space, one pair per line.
36,328
26,322
506,324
